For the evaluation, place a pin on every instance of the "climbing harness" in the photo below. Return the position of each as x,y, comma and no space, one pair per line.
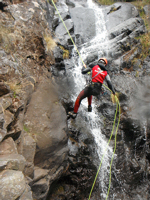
117,110
97,74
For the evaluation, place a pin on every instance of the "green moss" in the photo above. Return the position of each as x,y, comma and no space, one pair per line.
14,95
137,74
145,43
105,2
25,128
65,53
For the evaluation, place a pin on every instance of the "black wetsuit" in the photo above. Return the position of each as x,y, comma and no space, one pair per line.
99,74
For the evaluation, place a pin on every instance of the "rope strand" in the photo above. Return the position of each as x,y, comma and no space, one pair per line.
67,30
118,105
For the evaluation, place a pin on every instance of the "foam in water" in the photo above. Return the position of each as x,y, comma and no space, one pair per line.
97,44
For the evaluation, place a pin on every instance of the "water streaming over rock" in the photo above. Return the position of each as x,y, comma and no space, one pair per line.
98,45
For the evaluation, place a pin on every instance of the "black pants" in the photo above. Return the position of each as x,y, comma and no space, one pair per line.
91,89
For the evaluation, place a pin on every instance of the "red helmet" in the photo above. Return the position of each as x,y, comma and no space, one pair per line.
103,60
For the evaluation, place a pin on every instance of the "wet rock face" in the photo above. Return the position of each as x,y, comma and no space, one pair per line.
50,138
78,179
34,143
131,168
25,79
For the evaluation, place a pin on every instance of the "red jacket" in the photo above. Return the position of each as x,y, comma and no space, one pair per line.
98,75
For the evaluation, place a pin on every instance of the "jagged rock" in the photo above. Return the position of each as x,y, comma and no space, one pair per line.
12,161
28,147
27,194
12,184
127,27
118,13
9,117
40,189
39,173
29,169
58,54
28,151
40,183
70,4
27,60
108,110
77,3
60,29
84,23
4,89
47,133
124,29
5,102
147,10
8,147
5,116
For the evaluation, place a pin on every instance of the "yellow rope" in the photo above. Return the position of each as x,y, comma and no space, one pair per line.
106,149
67,30
118,105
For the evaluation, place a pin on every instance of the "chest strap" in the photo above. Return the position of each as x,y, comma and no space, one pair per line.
97,74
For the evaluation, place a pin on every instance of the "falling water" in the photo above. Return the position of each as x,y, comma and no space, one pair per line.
97,44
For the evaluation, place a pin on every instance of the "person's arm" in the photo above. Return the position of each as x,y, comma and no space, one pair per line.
102,66
110,84
86,69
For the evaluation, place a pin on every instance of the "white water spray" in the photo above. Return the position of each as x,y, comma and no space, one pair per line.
97,44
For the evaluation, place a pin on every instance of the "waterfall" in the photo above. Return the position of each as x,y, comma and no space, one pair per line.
98,44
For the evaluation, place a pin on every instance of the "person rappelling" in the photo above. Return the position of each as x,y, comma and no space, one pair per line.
99,74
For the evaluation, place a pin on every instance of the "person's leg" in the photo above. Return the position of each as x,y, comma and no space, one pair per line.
80,97
89,103
84,93
89,100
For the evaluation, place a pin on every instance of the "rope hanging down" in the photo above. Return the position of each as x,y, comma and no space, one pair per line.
117,106
66,29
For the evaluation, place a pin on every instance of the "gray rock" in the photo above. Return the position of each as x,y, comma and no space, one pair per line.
5,102
127,27
70,3
28,151
12,161
5,116
8,147
20,13
9,117
27,194
28,147
39,173
40,189
118,13
61,30
58,54
4,89
42,118
12,184
84,22
147,10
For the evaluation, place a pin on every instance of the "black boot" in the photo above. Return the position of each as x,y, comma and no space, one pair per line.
90,108
72,115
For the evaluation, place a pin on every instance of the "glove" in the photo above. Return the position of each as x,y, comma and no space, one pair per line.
84,65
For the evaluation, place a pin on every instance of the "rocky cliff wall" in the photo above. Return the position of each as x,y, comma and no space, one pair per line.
129,72
33,128
35,96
